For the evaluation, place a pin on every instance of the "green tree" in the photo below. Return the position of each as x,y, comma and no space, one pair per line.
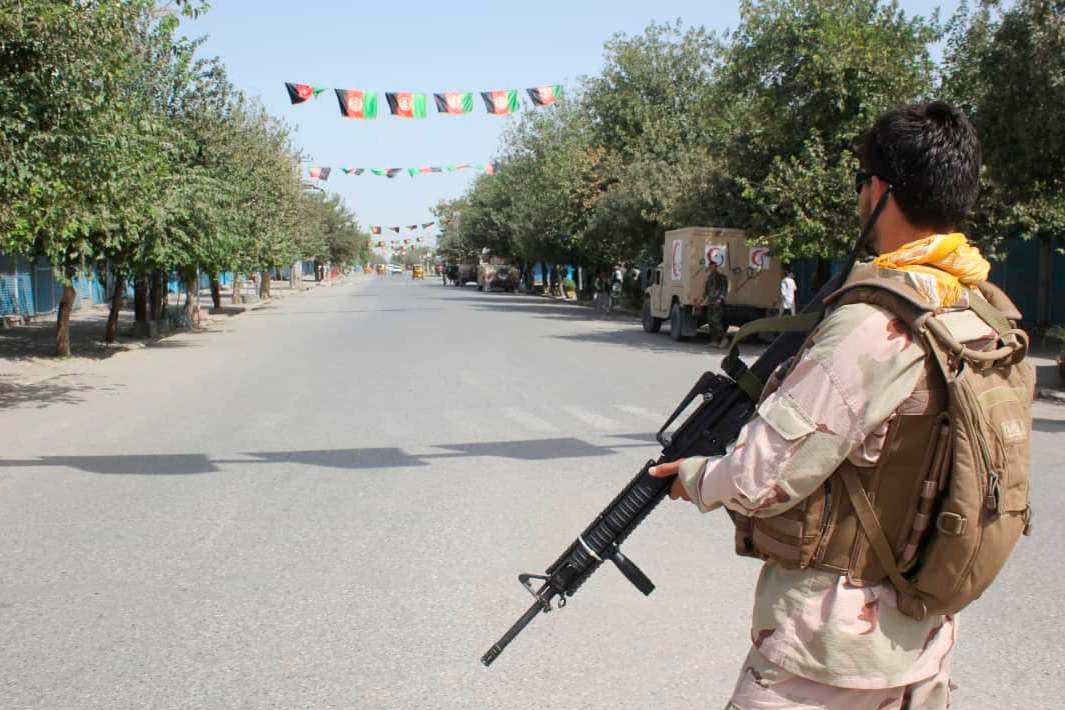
807,76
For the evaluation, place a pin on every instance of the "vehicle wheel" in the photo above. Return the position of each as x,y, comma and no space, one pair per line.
650,323
676,323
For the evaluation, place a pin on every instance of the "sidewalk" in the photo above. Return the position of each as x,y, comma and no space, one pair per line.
26,351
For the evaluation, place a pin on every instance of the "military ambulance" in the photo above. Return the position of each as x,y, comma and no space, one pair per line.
679,283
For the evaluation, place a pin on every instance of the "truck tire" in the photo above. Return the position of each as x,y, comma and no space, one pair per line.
650,323
676,323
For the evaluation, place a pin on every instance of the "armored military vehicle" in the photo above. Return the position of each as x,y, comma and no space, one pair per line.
495,274
678,284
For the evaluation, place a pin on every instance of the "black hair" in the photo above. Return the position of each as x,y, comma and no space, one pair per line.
930,154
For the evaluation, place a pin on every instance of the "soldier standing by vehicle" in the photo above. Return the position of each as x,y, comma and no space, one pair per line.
714,302
843,436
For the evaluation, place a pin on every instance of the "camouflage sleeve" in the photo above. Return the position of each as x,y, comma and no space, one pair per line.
862,365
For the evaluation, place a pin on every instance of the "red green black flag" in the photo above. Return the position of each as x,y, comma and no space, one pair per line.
412,227
406,105
375,230
501,102
298,93
392,172
454,102
320,173
395,229
357,104
426,225
545,95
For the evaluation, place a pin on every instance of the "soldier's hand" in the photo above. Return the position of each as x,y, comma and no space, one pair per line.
666,470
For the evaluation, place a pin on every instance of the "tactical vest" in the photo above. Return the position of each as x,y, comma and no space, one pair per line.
902,494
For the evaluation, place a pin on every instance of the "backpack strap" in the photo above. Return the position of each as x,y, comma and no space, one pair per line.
908,599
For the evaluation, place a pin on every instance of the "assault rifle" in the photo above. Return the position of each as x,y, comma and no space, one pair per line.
727,402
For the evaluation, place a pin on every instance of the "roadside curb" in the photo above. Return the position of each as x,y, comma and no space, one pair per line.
142,343
588,304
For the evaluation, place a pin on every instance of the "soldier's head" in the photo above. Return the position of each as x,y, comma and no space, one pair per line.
929,154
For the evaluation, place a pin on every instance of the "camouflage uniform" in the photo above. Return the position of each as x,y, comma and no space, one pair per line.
819,641
716,290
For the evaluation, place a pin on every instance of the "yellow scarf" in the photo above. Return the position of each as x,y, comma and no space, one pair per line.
948,258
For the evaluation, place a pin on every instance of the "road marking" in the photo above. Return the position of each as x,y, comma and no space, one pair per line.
596,421
641,412
527,419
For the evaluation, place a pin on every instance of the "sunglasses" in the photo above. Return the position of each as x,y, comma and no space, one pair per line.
862,178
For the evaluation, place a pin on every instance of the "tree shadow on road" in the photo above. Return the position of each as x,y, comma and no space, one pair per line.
60,389
1049,426
343,459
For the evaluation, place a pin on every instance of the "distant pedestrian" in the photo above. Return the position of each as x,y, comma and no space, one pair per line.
716,290
787,294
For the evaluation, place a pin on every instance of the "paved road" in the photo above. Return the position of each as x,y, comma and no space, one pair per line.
325,504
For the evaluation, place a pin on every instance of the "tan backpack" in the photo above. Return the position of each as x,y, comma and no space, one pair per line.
979,506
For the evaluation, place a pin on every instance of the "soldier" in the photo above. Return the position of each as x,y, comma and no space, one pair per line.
823,633
716,290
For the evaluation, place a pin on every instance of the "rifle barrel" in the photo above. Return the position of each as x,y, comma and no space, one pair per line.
497,648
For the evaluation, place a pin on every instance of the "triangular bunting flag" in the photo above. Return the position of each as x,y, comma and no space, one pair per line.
454,102
319,173
412,171
394,229
501,103
375,230
406,105
412,227
426,225
357,104
392,172
379,171
299,93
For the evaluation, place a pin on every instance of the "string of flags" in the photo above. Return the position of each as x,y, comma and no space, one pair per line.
318,172
357,103
375,229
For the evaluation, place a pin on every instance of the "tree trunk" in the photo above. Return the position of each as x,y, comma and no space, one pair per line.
216,291
117,299
236,288
155,296
191,287
140,298
264,285
62,326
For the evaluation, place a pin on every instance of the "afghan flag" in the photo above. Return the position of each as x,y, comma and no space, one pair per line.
545,95
426,225
319,173
406,104
392,172
454,102
375,230
460,166
357,104
394,229
411,228
298,93
501,103
355,171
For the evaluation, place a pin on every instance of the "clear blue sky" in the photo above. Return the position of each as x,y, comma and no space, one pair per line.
427,47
